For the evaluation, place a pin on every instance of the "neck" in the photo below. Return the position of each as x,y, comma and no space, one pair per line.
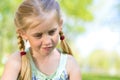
40,57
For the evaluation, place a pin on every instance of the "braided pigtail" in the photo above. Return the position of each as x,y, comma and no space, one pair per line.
25,73
65,47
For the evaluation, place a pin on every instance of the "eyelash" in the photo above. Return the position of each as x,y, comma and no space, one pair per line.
38,35
52,32
49,33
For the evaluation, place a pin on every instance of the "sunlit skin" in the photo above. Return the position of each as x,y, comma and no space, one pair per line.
43,42
44,37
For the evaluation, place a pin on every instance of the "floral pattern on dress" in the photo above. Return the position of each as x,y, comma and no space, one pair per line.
63,76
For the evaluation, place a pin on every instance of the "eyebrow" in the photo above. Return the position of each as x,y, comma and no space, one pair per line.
53,29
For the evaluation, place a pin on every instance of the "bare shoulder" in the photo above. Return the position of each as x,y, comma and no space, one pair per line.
14,60
72,63
12,67
73,68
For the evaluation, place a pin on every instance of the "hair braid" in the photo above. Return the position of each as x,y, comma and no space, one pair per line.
20,43
64,45
25,73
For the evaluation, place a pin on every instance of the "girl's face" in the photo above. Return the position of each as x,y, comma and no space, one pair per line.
44,37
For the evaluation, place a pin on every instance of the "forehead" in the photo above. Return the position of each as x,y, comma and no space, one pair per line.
44,22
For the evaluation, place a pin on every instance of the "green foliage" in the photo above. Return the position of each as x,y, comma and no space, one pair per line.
90,76
99,59
78,8
77,12
7,28
1,69
115,60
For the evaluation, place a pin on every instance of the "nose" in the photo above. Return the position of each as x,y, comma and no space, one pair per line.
46,40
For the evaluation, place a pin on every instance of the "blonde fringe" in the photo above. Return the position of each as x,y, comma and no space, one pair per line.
25,73
64,45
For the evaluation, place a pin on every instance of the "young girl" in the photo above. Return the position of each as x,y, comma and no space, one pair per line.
40,23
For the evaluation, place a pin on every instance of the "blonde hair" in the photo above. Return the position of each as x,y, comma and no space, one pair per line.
25,73
28,10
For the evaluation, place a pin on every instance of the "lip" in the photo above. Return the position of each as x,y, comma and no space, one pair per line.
47,48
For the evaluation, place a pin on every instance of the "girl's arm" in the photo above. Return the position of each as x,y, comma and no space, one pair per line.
73,69
12,67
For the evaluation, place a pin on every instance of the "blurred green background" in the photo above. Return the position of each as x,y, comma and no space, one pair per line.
91,27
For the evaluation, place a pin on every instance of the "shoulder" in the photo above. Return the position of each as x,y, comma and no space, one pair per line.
14,59
12,66
72,64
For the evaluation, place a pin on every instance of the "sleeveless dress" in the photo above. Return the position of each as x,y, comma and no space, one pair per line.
59,74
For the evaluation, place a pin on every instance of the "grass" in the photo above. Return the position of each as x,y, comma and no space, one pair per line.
99,77
1,69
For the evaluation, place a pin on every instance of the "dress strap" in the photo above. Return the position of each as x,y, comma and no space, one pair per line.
62,66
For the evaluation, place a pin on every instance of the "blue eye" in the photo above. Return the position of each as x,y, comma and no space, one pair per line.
38,35
52,32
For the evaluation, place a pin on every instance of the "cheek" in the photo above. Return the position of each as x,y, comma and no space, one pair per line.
56,39
35,42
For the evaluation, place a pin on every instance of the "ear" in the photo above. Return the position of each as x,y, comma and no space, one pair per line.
60,24
22,33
